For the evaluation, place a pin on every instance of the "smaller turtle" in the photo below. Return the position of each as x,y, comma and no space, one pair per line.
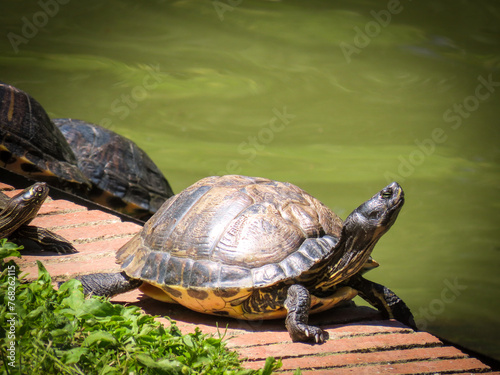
31,145
17,212
252,248
124,178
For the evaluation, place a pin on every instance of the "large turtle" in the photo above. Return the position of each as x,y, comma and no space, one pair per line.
123,176
30,144
253,248
17,212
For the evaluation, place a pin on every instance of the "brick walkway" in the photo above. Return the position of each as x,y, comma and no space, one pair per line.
360,342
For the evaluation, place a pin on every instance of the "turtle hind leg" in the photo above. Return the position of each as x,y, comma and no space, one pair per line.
384,299
107,284
47,239
297,303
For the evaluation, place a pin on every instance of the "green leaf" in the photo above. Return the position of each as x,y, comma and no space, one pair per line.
43,274
6,253
109,370
188,341
74,300
95,307
99,337
35,313
8,249
73,355
59,332
272,365
165,365
71,286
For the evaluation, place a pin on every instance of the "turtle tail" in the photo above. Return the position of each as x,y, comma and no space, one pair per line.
107,284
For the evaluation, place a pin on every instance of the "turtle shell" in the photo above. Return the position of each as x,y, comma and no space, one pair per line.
30,144
231,233
123,176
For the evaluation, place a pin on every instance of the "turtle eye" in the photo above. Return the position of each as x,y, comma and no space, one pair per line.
386,194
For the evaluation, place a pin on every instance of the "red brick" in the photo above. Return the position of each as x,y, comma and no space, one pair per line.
375,342
89,249
439,366
73,219
107,245
259,338
98,256
134,296
95,232
59,205
5,187
11,193
416,367
335,332
363,358
367,327
64,270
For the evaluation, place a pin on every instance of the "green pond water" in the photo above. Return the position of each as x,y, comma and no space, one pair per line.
339,98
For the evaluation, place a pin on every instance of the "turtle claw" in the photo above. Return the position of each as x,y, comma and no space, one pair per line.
65,249
321,338
310,333
316,334
319,335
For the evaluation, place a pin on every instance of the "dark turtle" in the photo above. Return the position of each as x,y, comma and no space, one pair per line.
30,144
253,248
17,212
123,176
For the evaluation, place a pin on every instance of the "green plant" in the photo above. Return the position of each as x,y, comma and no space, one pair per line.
62,332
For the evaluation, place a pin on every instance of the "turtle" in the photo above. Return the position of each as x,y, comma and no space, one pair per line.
17,212
31,145
123,176
252,248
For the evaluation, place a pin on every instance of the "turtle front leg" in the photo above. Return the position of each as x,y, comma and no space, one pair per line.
298,303
47,239
384,299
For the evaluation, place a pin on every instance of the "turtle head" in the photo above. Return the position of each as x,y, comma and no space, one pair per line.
23,207
372,219
361,231
33,195
29,201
